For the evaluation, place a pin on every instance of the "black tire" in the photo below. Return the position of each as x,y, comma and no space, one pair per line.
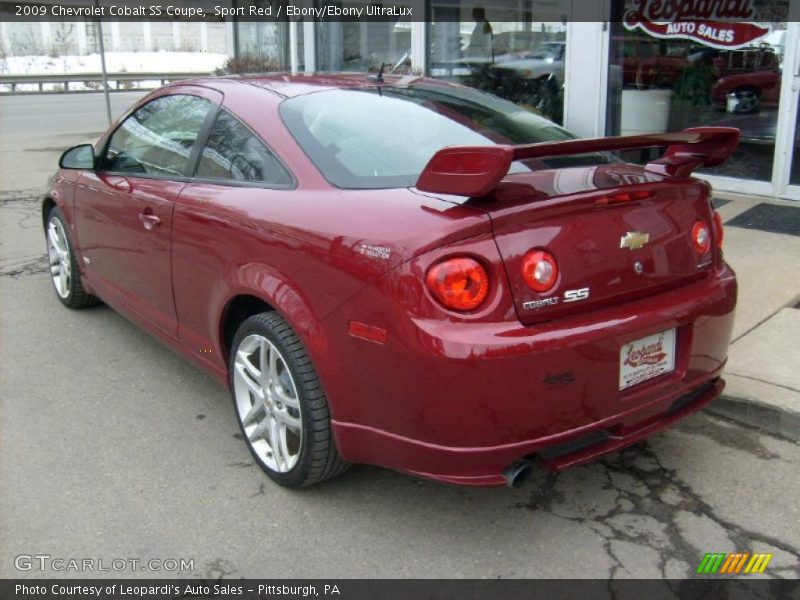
76,297
319,458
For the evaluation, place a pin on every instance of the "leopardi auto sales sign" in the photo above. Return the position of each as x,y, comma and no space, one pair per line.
720,24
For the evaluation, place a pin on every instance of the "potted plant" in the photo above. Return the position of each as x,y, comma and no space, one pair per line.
692,96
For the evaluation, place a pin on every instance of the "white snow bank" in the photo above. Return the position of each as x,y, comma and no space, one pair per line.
116,62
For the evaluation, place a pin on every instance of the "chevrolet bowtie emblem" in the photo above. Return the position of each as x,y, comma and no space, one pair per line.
633,240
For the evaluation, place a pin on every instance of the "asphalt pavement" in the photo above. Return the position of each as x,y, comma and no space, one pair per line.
112,447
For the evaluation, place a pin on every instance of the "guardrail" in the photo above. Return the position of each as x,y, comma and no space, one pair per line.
116,81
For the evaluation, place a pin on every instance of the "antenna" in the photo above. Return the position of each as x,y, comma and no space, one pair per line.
379,76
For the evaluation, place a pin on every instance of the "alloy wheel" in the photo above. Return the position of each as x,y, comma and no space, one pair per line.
59,256
267,403
746,101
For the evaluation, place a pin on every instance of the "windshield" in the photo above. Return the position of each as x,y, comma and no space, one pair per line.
383,137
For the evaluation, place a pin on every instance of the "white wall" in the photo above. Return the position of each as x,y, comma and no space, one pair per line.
586,70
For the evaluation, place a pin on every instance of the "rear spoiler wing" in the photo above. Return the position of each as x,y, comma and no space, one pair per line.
475,171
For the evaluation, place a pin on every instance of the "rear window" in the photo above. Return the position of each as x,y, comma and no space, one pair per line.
383,137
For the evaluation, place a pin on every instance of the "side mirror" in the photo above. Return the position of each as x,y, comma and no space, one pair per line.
78,157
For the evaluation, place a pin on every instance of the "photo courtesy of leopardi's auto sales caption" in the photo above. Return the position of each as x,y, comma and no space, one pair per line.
192,589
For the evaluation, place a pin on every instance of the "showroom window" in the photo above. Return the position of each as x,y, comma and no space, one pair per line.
516,51
264,45
363,45
704,71
260,46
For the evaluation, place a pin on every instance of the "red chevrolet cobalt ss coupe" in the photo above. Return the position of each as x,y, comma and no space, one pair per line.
404,272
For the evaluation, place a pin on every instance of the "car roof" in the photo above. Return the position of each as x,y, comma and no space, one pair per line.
296,84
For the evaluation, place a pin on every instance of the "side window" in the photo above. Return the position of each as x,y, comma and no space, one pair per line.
234,153
157,139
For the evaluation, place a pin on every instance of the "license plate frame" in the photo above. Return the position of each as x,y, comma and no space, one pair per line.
646,358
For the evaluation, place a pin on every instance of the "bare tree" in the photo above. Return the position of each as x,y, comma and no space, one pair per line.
63,41
3,58
28,47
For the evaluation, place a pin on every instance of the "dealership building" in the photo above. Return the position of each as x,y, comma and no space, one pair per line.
600,67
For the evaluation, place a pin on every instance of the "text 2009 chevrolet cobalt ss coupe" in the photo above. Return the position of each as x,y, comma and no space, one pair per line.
404,272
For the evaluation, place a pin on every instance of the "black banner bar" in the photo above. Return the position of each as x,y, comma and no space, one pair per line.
722,587
440,11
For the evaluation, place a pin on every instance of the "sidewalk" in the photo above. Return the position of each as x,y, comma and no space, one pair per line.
763,371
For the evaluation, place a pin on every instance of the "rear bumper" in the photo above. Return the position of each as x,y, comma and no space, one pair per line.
567,449
460,404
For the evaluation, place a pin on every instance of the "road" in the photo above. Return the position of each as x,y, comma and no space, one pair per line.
111,446
36,128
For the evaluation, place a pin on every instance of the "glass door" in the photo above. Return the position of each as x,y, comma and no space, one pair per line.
789,178
665,79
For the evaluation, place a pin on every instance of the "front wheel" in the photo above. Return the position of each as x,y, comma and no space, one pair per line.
280,405
64,270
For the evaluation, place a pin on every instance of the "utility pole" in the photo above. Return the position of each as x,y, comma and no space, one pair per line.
103,64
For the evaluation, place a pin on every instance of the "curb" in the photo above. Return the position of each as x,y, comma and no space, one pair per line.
769,417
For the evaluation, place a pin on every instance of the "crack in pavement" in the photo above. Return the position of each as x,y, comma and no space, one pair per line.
25,206
14,196
23,266
26,202
647,501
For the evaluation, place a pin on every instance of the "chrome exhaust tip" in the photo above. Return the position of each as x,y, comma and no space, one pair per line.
518,472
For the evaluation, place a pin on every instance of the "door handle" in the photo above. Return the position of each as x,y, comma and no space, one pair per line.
149,220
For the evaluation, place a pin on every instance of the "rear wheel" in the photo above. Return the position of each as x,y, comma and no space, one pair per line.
280,405
64,271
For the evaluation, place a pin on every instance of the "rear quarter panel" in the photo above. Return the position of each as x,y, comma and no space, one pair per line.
304,251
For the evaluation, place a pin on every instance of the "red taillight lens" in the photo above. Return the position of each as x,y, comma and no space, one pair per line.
622,197
701,237
719,232
539,270
459,283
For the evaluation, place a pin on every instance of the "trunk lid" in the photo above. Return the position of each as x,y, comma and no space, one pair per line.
609,245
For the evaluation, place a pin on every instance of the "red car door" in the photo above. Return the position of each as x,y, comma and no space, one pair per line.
124,208
238,180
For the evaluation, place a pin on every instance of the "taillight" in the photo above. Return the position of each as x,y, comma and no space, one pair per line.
459,283
623,197
539,270
701,237
719,232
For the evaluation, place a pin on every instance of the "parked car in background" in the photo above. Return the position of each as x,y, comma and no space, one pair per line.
403,272
751,75
546,60
750,90
514,44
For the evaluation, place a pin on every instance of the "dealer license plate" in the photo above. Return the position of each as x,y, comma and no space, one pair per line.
646,358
